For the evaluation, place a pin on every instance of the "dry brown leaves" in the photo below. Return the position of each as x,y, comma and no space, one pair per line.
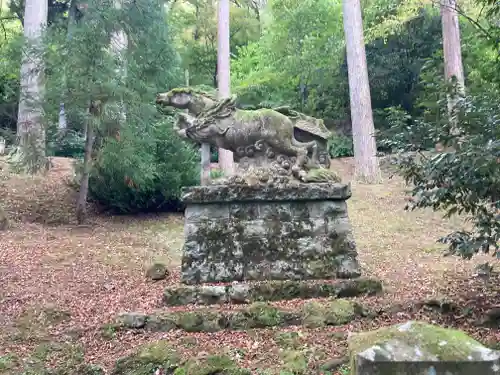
94,272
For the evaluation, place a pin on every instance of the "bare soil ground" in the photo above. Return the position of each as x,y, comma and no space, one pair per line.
59,283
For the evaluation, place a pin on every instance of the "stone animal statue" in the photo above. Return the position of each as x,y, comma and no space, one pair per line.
256,134
306,128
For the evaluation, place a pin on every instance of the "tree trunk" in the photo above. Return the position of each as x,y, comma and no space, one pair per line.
81,205
30,153
62,121
365,149
118,47
226,162
4,221
452,52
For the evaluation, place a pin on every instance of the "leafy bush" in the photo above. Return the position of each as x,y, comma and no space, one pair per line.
144,174
67,144
402,128
464,178
340,145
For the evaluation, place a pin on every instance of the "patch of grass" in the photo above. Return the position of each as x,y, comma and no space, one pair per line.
68,359
35,322
289,340
295,362
8,362
109,331
344,370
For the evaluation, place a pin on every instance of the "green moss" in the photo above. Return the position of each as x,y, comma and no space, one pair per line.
190,90
336,312
322,175
289,340
178,296
8,362
161,322
445,343
265,315
360,286
147,360
295,362
213,364
256,114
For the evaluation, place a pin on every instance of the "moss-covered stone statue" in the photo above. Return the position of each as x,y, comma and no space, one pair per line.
261,139
306,128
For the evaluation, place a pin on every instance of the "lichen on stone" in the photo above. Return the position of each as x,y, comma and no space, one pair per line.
336,312
432,342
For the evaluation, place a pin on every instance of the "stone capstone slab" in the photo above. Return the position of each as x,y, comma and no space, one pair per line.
250,193
239,293
416,348
236,233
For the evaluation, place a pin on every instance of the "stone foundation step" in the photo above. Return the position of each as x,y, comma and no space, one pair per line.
311,314
249,292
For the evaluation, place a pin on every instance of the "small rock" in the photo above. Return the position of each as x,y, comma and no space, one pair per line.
212,294
334,364
133,320
348,268
157,271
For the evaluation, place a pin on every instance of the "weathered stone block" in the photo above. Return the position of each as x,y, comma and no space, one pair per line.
247,193
416,348
236,233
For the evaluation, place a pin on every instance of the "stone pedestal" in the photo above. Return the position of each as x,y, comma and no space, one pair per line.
236,233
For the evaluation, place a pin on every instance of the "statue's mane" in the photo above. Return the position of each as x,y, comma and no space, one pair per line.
222,109
192,91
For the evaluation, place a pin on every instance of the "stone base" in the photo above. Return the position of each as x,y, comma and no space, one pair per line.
241,232
250,292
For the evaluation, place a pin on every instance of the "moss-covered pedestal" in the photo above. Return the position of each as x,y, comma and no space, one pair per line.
236,233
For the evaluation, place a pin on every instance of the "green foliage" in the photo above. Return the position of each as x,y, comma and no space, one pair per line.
139,162
403,129
196,39
300,59
465,180
340,145
69,144
138,174
10,65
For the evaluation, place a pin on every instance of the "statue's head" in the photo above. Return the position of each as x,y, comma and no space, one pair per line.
178,98
186,98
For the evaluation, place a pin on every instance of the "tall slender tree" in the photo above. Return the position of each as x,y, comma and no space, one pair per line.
365,149
452,52
30,152
223,74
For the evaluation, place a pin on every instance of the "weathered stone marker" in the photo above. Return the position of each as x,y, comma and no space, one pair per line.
416,348
291,232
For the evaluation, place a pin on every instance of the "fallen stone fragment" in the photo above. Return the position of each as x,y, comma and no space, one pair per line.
132,320
420,348
157,271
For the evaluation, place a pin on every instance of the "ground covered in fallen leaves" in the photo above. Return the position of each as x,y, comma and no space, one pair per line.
60,284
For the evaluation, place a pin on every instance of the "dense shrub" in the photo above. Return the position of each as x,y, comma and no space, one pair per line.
340,145
144,174
465,177
66,144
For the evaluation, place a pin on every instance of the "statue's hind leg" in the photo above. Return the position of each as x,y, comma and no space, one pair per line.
295,148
